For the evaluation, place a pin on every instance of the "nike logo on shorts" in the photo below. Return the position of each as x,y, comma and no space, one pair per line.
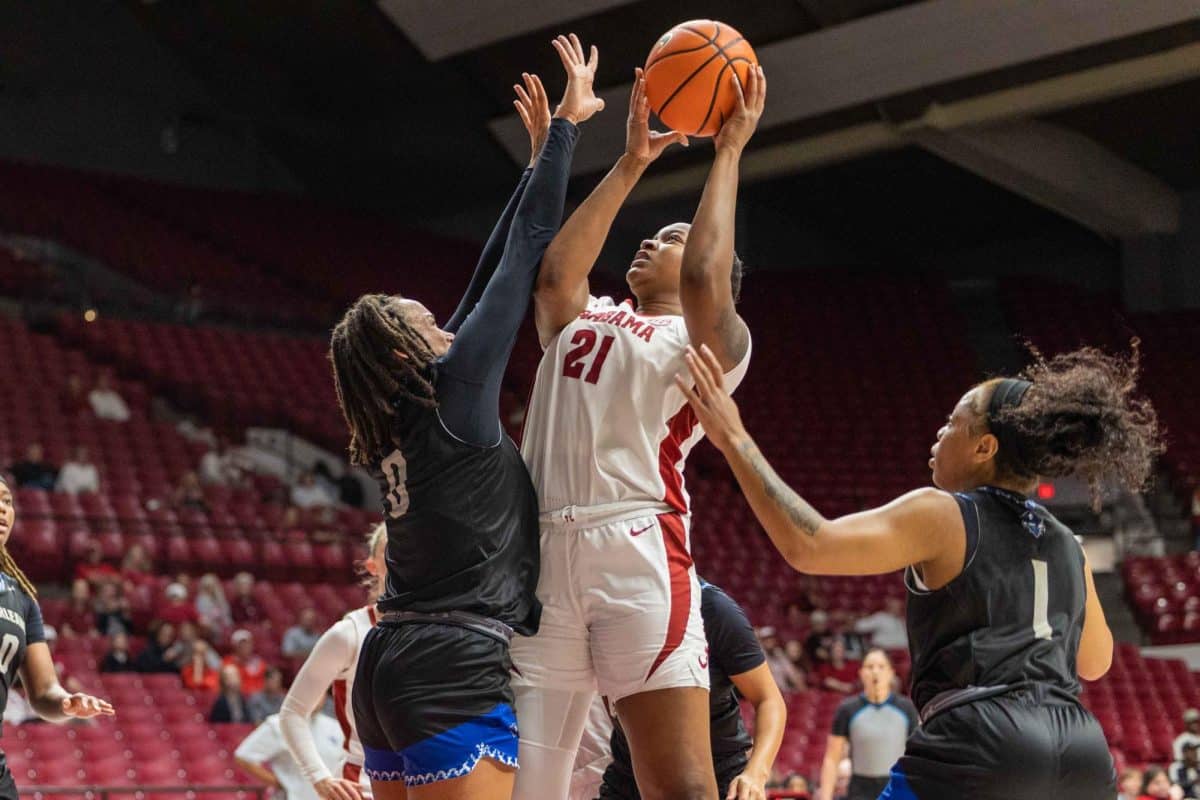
640,531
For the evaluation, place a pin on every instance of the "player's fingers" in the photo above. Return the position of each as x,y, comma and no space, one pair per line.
523,114
689,393
563,54
594,59
733,789
699,374
714,366
737,90
762,89
522,94
577,46
539,91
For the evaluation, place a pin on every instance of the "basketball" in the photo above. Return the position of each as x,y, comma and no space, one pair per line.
687,75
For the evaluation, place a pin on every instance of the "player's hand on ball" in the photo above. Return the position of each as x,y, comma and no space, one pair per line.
641,142
579,102
715,409
84,706
338,789
751,99
534,111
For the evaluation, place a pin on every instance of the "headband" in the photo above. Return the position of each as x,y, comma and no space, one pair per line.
1008,394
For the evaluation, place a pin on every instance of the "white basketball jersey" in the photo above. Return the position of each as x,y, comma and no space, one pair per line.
606,422
360,621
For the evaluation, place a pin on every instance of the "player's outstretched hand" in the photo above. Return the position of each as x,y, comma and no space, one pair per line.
534,111
751,100
640,142
579,101
715,409
338,789
84,706
747,787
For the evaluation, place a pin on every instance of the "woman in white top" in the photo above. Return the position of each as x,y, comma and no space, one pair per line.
212,606
331,665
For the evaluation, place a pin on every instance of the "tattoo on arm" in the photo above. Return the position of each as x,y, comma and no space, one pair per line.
802,515
733,334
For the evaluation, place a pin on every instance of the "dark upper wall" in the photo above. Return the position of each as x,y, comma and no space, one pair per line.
83,85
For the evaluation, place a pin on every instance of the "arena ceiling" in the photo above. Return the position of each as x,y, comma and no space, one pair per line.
405,104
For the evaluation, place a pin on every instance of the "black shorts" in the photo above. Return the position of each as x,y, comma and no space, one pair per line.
431,700
1030,742
863,787
619,783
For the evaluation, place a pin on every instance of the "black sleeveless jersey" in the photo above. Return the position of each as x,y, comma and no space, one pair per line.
20,626
462,526
1015,613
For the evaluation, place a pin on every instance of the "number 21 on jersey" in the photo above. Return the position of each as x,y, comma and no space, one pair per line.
576,361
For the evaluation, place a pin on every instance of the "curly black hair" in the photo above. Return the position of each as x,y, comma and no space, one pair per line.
1080,417
371,380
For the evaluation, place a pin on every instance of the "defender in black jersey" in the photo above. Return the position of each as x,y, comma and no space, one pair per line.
1003,617
736,663
431,695
23,648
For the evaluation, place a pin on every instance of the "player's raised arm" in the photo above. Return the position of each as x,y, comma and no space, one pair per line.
562,287
534,111
705,290
917,528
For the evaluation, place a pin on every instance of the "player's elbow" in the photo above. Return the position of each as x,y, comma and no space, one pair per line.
1094,662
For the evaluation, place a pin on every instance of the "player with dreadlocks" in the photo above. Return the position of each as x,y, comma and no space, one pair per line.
1003,617
23,648
431,697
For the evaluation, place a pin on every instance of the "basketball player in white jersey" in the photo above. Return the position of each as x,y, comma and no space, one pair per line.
332,664
606,437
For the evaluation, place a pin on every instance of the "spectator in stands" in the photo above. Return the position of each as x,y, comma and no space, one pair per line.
307,493
35,472
187,636
230,705
886,628
112,610
1156,785
118,657
251,667
796,786
243,608
75,397
156,657
79,618
189,493
1129,784
817,644
106,402
267,702
68,681
301,638
795,653
177,609
1191,732
218,466
212,607
199,672
874,725
1186,773
136,568
78,474
838,674
789,678
93,567
265,755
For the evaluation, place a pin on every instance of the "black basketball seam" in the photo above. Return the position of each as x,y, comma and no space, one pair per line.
720,50
712,101
697,71
707,41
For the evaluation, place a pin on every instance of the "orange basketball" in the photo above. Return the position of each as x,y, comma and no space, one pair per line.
687,75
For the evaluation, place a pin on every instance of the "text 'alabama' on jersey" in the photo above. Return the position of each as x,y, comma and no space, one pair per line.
606,423
20,626
462,525
1014,615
